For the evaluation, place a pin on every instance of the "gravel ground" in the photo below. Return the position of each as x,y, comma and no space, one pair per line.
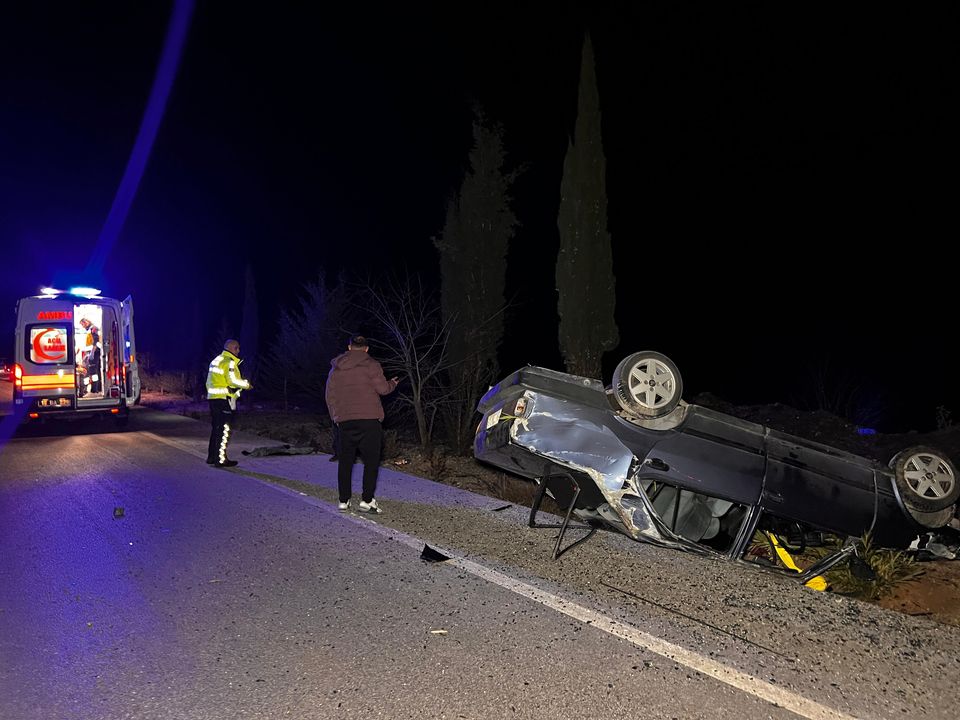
934,593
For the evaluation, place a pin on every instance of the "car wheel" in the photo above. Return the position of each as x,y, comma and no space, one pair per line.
647,384
926,478
931,520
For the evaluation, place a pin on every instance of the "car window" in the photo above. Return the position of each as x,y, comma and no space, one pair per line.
787,544
709,521
47,344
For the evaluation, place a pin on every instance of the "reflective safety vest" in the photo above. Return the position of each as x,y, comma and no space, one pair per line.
223,378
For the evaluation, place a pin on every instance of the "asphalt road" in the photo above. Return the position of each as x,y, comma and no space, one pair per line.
137,582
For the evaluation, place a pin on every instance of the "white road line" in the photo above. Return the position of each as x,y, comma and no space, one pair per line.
744,682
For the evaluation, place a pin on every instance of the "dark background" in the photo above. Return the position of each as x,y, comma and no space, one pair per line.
780,179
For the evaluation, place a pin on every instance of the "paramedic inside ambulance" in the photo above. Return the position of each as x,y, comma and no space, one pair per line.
90,362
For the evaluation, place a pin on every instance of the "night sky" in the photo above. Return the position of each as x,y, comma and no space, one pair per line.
781,180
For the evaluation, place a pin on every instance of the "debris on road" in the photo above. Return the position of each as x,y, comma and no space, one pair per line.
432,556
279,450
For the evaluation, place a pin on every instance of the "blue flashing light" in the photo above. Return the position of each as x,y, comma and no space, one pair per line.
50,291
866,431
84,291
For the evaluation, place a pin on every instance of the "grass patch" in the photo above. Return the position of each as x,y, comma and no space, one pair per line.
888,567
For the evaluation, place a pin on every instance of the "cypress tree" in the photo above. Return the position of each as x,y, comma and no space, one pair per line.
585,283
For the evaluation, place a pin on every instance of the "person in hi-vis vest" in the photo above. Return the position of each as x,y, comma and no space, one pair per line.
224,385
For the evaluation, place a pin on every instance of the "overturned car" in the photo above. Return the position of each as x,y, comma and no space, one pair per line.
636,458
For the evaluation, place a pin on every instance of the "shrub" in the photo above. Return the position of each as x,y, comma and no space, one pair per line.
890,567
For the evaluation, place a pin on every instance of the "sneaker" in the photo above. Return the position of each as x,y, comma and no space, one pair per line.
226,463
370,507
344,506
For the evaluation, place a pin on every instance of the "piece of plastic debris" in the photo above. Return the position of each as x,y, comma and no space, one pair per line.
500,509
118,512
401,461
943,544
438,632
433,556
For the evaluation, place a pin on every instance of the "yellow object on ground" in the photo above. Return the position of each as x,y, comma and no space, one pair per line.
816,583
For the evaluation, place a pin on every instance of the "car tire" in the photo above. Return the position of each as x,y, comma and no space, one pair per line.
926,479
931,520
647,385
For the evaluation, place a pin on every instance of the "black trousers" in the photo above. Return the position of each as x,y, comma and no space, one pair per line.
95,371
367,437
221,418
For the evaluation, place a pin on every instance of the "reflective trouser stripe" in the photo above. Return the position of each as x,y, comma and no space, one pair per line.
223,442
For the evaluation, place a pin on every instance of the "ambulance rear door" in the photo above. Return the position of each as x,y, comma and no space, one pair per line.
131,373
44,355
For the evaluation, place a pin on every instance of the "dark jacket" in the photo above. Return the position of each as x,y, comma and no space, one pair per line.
354,386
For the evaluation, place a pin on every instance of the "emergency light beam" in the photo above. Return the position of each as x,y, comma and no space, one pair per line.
156,106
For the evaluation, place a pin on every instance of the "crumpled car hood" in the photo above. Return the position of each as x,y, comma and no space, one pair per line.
592,449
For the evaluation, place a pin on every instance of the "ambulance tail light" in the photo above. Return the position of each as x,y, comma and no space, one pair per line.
17,376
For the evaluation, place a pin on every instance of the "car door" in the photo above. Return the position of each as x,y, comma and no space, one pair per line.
130,367
819,486
711,454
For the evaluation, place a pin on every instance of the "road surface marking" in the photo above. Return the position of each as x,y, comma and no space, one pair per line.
742,681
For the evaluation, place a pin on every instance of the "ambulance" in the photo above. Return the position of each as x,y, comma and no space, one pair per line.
75,355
